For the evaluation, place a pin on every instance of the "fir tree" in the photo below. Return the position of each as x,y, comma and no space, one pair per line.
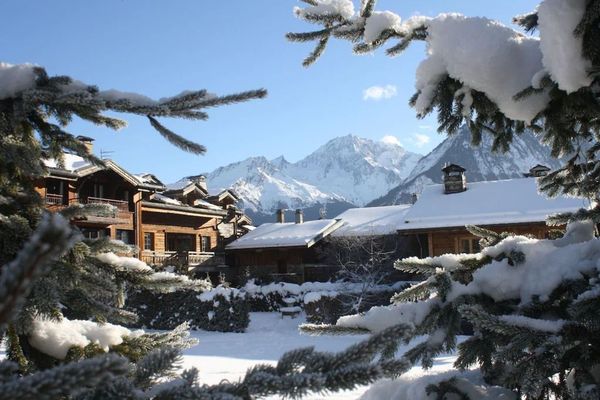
532,303
50,273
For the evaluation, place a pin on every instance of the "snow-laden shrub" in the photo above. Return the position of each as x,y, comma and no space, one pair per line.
326,307
220,309
270,297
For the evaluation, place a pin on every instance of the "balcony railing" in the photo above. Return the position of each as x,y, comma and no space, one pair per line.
121,205
55,199
190,258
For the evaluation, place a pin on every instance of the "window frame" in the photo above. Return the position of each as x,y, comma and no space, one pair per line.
150,236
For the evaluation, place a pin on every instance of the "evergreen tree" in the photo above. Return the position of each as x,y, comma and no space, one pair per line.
532,303
50,274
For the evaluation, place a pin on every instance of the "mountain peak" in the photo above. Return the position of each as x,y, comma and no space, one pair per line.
280,162
480,162
349,169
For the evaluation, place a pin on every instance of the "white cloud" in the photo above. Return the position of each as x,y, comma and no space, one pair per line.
390,139
420,139
380,92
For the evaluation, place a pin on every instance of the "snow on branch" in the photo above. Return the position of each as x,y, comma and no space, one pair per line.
38,97
480,53
52,238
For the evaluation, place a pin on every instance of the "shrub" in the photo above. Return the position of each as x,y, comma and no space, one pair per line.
221,309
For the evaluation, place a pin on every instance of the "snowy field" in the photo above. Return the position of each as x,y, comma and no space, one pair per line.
221,356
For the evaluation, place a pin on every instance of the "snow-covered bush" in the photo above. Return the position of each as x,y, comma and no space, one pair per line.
220,309
270,297
326,307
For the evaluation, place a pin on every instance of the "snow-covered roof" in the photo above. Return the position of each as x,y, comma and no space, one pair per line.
485,203
180,184
147,178
286,234
370,221
80,167
164,199
206,204
72,162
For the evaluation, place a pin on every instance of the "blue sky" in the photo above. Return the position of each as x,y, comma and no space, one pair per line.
160,48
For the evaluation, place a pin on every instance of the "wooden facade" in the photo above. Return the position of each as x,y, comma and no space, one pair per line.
161,227
456,240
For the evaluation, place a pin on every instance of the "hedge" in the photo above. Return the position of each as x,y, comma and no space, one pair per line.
221,309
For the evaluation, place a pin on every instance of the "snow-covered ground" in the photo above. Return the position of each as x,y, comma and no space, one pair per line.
221,356
226,356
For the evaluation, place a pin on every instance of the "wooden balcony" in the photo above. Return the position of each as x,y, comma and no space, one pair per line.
55,200
121,205
189,258
121,216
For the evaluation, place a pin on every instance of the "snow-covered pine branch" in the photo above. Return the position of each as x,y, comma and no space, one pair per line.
29,98
494,78
52,238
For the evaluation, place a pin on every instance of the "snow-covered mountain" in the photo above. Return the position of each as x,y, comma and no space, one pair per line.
346,170
481,164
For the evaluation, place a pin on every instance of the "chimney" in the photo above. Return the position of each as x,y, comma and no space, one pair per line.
199,180
88,142
281,216
413,198
299,216
455,180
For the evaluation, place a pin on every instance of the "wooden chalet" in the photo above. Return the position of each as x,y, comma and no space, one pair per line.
282,251
439,216
179,223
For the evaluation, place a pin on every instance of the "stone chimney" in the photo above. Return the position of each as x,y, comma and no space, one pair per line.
199,180
455,180
281,216
88,142
299,216
413,198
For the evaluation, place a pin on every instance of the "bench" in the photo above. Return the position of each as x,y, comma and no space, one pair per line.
291,312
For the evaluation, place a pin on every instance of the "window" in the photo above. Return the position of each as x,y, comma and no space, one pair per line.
148,241
54,186
125,236
94,233
205,240
469,245
98,190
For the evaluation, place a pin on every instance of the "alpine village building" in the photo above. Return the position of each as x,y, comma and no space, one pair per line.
432,226
170,224
184,224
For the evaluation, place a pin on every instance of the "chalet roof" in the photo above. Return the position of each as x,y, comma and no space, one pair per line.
370,221
219,196
167,203
198,203
72,163
485,203
540,167
179,185
146,178
77,166
273,235
453,168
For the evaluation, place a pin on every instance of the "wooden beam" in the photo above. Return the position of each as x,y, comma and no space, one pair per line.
430,244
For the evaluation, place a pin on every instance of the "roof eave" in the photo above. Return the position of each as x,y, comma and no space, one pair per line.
194,210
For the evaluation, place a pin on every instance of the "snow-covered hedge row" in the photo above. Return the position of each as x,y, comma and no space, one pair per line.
270,297
220,309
